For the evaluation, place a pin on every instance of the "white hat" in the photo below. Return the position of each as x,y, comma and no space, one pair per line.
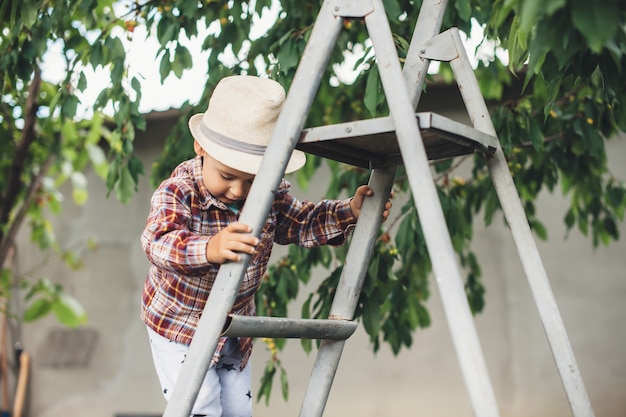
239,122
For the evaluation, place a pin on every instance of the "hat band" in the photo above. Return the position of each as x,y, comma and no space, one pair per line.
231,143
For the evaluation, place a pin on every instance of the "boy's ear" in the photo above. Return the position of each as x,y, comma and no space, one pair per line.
197,148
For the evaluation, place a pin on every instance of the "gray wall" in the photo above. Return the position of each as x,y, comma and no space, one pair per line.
105,370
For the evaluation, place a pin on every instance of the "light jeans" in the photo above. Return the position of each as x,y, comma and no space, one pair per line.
225,391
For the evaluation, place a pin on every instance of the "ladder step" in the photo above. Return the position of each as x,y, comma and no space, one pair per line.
372,143
279,327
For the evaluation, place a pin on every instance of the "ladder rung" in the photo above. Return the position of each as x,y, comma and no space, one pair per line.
280,327
372,143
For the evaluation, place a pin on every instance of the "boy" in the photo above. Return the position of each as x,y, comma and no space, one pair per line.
192,229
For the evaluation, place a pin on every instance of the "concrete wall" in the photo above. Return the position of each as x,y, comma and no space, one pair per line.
105,370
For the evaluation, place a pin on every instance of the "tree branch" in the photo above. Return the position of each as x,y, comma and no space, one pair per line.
8,239
15,183
453,167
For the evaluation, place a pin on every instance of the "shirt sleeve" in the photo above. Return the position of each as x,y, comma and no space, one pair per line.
306,224
167,240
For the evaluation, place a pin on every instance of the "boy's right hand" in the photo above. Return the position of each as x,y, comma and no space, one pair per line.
229,242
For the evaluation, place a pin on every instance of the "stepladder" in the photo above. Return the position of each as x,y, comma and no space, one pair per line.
407,138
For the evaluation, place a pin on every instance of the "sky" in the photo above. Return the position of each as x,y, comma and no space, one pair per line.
143,62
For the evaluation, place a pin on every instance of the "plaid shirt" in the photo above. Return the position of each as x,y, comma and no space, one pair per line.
183,217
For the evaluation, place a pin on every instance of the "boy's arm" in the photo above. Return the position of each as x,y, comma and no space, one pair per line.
166,238
327,223
306,224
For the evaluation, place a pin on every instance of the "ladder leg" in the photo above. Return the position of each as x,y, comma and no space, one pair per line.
522,235
415,66
437,236
540,287
348,291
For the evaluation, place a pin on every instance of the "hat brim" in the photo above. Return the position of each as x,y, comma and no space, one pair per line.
239,160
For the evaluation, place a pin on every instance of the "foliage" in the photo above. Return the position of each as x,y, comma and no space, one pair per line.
43,144
569,56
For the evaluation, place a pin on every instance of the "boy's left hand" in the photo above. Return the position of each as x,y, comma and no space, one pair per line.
359,196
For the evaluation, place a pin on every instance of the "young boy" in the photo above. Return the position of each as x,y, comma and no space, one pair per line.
192,229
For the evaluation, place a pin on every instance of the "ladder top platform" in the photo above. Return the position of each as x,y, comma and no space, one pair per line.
372,143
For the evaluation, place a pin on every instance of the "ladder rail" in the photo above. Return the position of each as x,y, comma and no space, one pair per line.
513,209
348,290
323,38
437,236
415,67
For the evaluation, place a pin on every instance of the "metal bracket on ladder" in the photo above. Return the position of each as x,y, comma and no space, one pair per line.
381,145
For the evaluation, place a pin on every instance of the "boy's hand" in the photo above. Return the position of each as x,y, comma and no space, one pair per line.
359,196
229,242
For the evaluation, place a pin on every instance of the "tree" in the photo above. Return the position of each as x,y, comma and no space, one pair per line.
569,54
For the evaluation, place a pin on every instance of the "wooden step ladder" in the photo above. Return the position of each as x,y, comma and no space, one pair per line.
382,144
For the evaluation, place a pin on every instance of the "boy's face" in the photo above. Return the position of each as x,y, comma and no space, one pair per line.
224,183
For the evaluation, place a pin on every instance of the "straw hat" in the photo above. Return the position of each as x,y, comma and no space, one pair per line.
239,121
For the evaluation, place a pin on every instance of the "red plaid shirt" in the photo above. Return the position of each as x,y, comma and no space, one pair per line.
183,217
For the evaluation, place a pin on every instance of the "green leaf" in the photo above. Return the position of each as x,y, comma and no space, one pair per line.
597,21
393,9
69,106
95,130
30,12
535,136
96,55
610,226
69,131
69,311
166,31
267,378
616,198
307,345
115,141
125,186
464,9
284,383
289,56
184,56
528,14
539,229
37,309
373,91
569,219
136,85
491,206
182,60
371,317
114,50
82,82
516,46
166,66
117,69
135,167
475,293
112,174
